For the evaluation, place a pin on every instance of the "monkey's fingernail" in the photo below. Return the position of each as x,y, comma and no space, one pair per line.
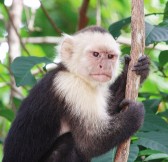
142,58
134,69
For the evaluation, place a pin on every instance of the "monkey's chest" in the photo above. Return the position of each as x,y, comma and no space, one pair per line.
90,113
85,103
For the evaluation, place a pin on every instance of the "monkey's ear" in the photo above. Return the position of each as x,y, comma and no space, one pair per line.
66,48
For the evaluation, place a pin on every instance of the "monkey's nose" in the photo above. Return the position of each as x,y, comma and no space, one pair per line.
100,66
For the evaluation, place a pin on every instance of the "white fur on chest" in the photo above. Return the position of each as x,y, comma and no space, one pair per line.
87,103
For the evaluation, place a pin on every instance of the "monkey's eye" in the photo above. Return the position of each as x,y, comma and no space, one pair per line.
110,56
96,54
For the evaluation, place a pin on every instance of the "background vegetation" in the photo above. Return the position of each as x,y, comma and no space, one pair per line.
31,32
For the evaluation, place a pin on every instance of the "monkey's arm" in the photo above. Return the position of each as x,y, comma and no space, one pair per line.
118,87
141,68
120,127
36,126
120,82
63,150
127,122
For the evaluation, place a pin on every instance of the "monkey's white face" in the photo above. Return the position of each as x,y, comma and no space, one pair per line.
98,57
101,64
94,56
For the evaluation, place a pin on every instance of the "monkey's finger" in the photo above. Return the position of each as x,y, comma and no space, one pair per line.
127,59
126,63
141,68
124,103
142,62
143,57
142,73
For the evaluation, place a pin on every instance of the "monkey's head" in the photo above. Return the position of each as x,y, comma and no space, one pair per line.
92,54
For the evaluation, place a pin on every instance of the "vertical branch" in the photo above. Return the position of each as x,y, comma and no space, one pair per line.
50,20
32,20
13,41
83,19
137,49
11,25
98,13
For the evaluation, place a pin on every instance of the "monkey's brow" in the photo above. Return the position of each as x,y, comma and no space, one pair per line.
103,51
100,50
108,52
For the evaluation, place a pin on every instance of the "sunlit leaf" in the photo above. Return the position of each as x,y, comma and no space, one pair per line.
163,58
148,152
7,113
166,12
156,156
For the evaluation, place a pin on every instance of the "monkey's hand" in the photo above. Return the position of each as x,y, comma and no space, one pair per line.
134,111
128,120
118,86
127,59
142,67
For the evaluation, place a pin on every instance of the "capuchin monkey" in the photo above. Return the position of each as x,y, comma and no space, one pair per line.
75,112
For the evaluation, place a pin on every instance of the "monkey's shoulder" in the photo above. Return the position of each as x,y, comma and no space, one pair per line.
47,81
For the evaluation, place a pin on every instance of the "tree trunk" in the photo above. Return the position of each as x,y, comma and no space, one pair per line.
15,14
83,19
137,50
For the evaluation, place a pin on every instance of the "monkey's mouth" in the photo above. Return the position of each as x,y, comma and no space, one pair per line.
101,77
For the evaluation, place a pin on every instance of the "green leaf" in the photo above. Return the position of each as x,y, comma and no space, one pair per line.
21,67
148,152
164,96
163,58
163,114
115,28
164,23
126,50
154,123
133,153
152,104
2,1
153,140
156,156
147,95
17,102
155,33
1,140
107,157
8,114
166,12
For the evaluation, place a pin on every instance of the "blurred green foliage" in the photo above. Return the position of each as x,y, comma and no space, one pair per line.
150,143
